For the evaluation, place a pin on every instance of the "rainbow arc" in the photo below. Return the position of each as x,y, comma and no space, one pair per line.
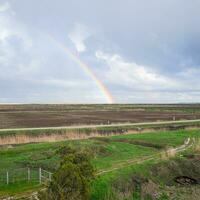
87,69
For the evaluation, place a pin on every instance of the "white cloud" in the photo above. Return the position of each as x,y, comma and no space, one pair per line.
33,70
30,64
133,75
157,97
4,7
136,83
15,45
69,84
78,36
190,72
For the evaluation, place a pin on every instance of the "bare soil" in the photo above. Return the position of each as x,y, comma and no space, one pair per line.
30,116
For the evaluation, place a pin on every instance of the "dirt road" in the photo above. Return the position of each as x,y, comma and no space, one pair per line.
108,125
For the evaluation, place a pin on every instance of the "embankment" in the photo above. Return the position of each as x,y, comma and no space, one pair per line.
53,135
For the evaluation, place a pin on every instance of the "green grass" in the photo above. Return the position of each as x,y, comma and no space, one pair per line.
120,152
18,188
107,153
102,184
168,138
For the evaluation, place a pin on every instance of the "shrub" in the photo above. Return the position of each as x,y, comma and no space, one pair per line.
72,179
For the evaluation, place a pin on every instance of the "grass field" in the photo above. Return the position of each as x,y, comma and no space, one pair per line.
106,154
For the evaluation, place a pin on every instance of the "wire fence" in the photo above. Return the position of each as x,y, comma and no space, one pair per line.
37,175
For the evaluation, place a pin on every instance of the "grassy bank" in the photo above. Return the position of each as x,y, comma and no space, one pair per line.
106,153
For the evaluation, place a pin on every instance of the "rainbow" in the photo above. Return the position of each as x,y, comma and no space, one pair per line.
87,69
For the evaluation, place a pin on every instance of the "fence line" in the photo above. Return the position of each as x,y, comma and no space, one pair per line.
26,175
45,176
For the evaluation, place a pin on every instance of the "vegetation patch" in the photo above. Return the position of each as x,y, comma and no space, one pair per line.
151,177
142,143
185,180
170,172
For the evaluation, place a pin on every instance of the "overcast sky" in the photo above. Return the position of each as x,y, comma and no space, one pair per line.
142,51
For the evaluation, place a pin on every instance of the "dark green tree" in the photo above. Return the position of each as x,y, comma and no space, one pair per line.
73,178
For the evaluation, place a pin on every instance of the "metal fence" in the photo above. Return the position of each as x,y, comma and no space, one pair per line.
38,175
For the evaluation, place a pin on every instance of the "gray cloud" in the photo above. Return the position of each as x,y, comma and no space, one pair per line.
151,49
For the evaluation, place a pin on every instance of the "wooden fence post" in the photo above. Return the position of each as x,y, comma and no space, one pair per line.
29,174
7,177
49,176
40,175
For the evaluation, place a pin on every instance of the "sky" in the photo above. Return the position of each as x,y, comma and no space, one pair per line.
102,51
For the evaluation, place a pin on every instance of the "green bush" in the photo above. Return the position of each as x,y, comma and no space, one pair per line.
72,179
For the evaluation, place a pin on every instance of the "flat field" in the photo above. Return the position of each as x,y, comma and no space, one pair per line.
37,115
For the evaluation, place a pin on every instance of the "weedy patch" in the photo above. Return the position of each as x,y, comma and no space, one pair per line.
102,139
98,149
185,180
196,146
141,143
42,155
170,172
134,188
46,159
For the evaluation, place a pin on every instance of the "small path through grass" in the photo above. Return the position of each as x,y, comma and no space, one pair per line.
187,144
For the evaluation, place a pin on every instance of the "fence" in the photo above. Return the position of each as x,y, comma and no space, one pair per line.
39,175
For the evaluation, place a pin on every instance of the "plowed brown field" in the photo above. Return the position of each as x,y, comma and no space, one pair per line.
24,116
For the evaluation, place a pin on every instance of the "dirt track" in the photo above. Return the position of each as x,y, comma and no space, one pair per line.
187,144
